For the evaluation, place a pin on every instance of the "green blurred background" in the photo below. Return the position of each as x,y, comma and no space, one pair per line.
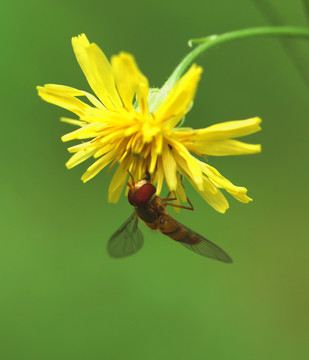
61,296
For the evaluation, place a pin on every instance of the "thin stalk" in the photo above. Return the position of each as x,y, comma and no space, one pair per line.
213,40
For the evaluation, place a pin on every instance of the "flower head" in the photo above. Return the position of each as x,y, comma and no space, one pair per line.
125,126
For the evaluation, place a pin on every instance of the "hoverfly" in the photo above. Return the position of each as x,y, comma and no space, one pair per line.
149,208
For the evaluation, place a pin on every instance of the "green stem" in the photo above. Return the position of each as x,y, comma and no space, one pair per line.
210,41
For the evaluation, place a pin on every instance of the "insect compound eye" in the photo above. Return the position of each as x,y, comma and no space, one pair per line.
131,198
143,194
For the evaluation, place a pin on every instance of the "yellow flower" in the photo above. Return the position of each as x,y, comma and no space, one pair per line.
143,136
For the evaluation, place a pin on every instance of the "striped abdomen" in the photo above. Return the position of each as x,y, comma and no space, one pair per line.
155,217
172,228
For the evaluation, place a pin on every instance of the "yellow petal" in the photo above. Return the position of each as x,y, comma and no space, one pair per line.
160,175
153,159
64,99
79,157
179,100
85,132
117,183
186,162
67,90
119,117
169,167
158,143
139,173
81,146
104,150
225,147
239,192
130,81
180,190
98,166
149,131
97,70
73,121
229,129
216,200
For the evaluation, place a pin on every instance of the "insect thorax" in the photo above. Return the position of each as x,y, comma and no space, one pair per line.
151,211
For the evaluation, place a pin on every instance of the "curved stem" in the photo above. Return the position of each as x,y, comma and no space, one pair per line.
210,41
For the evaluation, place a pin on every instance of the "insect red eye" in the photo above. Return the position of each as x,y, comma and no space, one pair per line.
142,195
131,198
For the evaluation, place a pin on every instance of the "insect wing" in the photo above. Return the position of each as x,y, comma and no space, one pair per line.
191,240
127,240
208,249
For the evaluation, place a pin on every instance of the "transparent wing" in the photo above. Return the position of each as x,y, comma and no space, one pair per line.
127,240
208,249
191,240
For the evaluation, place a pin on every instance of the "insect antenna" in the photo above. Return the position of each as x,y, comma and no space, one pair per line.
133,183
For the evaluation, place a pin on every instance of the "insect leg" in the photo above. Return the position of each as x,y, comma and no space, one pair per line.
168,196
166,202
182,207
170,199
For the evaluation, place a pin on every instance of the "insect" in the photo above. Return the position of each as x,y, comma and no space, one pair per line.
149,208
